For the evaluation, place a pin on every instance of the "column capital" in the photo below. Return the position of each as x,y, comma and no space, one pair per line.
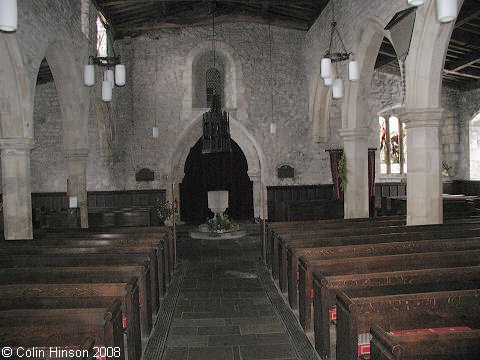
355,133
254,175
427,117
76,154
21,144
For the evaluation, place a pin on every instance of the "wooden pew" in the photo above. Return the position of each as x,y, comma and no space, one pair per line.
121,234
400,312
314,249
92,275
74,258
313,228
326,287
80,295
359,265
63,327
59,247
318,237
455,345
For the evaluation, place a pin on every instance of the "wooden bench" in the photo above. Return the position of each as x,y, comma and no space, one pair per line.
455,345
319,237
59,247
400,312
371,264
326,287
120,234
322,226
313,248
89,274
63,327
80,295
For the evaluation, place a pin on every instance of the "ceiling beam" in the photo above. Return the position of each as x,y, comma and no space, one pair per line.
464,62
477,77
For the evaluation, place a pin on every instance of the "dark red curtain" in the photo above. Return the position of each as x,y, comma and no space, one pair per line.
371,181
335,156
371,172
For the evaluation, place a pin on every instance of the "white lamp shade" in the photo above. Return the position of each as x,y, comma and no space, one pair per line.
106,91
328,81
416,2
89,75
119,75
273,128
447,10
326,68
8,15
155,132
337,89
353,73
109,76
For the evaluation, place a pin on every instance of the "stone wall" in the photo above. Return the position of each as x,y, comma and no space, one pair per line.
167,51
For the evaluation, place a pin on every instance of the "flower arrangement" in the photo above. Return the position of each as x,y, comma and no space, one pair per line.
221,224
446,168
164,210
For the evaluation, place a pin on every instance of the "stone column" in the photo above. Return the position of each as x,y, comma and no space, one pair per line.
424,173
355,144
259,195
77,181
16,186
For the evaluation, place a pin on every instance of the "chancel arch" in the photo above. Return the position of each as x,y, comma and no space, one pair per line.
246,142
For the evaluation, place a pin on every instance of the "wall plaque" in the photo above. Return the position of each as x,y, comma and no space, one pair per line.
145,175
285,172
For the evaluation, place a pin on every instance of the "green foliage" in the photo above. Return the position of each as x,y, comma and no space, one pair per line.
221,223
342,172
446,168
164,209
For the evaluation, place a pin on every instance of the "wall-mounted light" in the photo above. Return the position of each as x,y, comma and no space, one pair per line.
155,132
8,15
273,128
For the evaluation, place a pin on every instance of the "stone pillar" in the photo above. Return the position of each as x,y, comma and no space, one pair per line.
355,144
77,181
16,186
259,195
424,173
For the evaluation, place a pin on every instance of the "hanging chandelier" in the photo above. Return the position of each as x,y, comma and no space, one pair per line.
8,15
216,125
447,10
110,77
337,52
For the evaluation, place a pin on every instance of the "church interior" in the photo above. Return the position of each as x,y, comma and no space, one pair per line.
240,179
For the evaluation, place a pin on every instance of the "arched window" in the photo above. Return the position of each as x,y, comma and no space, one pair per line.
214,84
393,145
102,44
475,148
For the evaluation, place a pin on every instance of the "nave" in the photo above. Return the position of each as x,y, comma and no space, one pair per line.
224,305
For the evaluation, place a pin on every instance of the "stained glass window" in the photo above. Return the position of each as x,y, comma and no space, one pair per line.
393,149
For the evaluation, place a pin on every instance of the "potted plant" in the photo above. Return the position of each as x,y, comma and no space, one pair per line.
164,211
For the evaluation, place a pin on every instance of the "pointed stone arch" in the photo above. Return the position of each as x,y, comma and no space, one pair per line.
251,149
16,117
320,111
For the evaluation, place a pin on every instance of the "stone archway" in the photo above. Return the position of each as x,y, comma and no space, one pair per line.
74,109
247,143
16,116
355,131
423,115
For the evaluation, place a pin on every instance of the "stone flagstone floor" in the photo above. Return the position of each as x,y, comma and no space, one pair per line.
225,307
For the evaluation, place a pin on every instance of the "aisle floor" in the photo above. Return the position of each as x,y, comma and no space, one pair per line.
222,308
